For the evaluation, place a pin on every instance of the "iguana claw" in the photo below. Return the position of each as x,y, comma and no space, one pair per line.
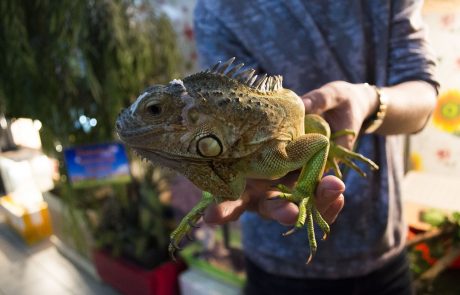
172,248
290,232
173,243
192,224
189,237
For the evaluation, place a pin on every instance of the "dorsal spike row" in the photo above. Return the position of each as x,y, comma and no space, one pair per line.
262,83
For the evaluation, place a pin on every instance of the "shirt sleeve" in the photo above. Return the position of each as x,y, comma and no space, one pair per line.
410,56
215,41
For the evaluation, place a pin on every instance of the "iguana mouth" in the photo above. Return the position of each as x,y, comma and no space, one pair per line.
129,134
156,155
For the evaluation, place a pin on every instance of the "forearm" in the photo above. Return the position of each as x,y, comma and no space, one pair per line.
409,107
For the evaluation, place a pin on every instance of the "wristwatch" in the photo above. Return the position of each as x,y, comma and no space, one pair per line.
375,121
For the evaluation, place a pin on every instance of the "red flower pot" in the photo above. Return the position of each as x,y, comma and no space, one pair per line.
129,278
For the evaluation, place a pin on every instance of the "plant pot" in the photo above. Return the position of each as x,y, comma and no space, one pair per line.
129,278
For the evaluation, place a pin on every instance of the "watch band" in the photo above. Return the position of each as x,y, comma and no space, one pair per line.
376,120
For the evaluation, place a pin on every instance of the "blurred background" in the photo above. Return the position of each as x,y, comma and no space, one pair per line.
79,214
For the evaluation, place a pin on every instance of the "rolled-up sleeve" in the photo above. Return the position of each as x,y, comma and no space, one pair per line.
410,56
214,40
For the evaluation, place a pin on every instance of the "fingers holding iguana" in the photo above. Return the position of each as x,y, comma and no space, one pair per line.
279,210
329,190
224,212
344,106
329,201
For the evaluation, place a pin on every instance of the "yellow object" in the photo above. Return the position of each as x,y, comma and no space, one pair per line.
416,162
446,115
32,225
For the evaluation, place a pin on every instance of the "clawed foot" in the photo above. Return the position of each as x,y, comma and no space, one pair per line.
188,223
339,154
183,230
308,215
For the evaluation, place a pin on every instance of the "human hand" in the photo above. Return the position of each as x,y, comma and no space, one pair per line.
329,201
343,105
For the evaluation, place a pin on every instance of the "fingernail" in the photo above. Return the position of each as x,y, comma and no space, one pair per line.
332,183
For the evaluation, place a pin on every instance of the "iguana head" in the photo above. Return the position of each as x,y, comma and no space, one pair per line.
154,120
168,122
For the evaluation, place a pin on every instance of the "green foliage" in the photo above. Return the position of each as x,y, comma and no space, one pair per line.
434,217
440,219
63,59
418,263
436,246
133,224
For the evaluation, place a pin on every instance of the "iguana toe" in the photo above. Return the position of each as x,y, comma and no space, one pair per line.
290,232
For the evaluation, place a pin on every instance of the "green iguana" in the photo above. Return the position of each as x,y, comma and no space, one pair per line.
223,125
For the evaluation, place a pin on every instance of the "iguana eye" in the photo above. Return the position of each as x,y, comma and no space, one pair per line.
154,109
209,146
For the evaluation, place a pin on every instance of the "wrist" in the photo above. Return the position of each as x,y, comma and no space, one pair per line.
377,110
372,100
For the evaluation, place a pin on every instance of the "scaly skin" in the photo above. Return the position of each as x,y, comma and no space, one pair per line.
221,126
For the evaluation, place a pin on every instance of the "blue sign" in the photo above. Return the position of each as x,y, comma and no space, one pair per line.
97,164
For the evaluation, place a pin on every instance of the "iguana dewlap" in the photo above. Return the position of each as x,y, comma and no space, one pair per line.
222,126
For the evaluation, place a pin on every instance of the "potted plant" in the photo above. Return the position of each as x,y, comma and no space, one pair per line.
435,250
131,236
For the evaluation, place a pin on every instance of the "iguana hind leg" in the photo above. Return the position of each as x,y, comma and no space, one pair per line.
303,195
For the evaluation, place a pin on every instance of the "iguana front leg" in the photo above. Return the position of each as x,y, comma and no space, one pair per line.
230,189
189,222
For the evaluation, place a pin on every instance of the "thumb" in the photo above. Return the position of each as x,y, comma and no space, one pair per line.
320,100
279,210
329,197
224,212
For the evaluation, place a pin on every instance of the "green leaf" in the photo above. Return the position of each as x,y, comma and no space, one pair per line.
456,218
434,217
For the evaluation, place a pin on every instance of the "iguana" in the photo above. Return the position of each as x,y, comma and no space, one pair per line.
223,125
